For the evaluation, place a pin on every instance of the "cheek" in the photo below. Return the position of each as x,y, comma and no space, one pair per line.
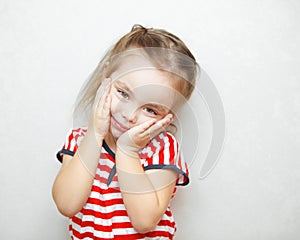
144,117
115,103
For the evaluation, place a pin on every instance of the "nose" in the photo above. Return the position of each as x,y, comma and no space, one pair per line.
130,115
132,118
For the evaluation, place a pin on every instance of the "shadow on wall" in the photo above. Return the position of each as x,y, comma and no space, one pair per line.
202,140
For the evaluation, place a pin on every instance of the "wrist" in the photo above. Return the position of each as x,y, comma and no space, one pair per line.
89,151
92,135
128,150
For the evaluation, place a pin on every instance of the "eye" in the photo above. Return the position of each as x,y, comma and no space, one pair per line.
150,110
122,93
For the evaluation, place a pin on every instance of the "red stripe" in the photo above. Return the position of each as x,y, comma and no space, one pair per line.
105,203
78,130
116,237
109,215
130,237
96,227
163,145
171,148
168,213
160,234
104,168
166,144
125,237
86,235
164,223
107,156
76,137
102,228
179,163
69,141
101,179
186,168
104,191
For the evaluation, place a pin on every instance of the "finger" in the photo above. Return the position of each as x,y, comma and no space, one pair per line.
166,120
102,90
103,109
103,98
106,107
146,125
159,126
141,129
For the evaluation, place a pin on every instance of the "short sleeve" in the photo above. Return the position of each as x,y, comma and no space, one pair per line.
74,136
163,153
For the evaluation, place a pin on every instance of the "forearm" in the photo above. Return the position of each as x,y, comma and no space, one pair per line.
144,203
132,178
74,181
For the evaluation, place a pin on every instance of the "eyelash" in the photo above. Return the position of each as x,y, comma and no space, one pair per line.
150,110
123,93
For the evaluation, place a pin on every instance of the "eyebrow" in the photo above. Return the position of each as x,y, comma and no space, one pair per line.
123,85
158,107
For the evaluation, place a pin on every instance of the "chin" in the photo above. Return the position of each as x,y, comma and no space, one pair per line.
115,132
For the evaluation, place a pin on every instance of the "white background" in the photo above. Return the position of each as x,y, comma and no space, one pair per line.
251,51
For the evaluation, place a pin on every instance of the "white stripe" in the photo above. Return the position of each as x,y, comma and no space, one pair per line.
114,184
102,173
114,219
156,144
166,159
144,162
103,185
117,231
107,196
81,230
126,231
155,159
103,221
106,162
79,139
106,209
72,144
165,228
96,220
166,217
120,219
181,159
147,150
175,149
67,138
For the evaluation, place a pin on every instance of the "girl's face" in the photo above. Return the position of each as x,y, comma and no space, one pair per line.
140,96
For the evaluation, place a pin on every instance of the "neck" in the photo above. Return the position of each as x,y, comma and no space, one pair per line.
111,141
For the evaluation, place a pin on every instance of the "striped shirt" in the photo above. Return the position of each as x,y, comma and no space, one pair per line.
104,215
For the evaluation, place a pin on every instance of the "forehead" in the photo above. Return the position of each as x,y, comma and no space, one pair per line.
146,77
149,86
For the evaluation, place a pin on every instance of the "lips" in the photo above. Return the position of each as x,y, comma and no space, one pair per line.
118,125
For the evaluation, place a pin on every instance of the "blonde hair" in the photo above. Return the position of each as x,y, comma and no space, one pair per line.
141,37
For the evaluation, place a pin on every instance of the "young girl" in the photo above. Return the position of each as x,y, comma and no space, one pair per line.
120,172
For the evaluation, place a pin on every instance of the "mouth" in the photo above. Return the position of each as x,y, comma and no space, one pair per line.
118,125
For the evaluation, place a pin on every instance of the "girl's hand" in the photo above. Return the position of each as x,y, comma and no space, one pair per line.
100,118
139,136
